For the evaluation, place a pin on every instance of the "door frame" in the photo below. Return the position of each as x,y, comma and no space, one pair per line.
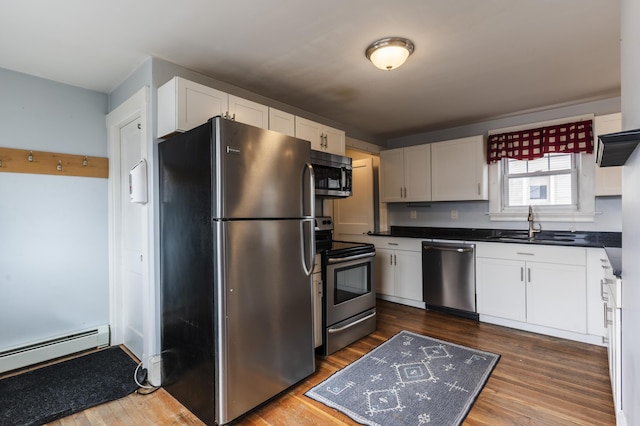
136,107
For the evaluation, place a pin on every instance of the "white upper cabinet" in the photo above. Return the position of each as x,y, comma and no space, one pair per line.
459,170
184,104
406,174
608,179
322,138
283,122
248,112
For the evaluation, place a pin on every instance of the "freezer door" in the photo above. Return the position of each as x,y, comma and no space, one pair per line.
265,312
261,174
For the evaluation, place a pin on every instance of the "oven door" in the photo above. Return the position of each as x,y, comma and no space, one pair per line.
349,287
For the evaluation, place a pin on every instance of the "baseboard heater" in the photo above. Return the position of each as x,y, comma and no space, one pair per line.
49,349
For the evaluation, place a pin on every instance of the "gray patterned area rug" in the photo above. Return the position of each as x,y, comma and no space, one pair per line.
409,380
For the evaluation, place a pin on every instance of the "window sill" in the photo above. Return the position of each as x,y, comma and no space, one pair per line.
574,217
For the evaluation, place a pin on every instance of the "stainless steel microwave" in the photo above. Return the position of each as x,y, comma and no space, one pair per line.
333,174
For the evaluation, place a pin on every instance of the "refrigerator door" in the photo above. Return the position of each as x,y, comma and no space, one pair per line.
264,312
260,173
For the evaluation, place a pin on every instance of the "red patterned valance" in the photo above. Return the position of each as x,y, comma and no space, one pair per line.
534,143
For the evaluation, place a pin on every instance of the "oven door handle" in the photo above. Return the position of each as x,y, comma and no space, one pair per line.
333,260
339,329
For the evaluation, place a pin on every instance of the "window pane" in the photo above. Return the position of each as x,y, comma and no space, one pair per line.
540,190
560,162
538,165
517,166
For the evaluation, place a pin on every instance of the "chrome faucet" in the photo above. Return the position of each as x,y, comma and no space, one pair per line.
532,229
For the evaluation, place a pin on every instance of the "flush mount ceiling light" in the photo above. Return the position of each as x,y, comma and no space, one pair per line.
389,53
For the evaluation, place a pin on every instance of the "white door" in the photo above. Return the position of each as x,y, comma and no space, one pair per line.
132,243
354,215
132,302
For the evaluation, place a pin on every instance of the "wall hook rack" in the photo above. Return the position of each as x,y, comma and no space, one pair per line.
52,163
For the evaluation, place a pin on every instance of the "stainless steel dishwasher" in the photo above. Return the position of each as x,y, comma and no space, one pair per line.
449,278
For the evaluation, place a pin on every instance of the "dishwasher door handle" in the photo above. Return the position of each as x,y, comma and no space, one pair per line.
456,249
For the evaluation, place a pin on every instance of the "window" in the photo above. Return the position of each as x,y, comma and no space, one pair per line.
548,165
548,181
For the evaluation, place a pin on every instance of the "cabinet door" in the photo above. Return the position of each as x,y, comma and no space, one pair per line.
417,173
248,112
334,140
556,296
309,131
392,175
608,179
408,274
459,171
385,271
596,258
500,288
283,122
184,104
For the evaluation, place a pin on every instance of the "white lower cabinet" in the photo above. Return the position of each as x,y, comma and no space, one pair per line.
499,281
399,270
611,291
556,296
541,286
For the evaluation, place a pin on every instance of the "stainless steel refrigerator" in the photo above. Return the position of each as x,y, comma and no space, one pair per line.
236,256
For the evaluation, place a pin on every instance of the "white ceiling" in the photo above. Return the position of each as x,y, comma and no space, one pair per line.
474,59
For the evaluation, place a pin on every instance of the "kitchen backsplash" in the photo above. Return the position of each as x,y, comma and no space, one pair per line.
474,214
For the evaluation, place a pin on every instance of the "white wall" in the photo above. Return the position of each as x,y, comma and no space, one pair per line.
53,229
474,214
630,68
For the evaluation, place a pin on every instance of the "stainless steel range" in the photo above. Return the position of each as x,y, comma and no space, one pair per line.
348,277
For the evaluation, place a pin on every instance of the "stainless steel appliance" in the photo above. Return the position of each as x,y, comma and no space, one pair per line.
236,253
349,307
333,174
449,278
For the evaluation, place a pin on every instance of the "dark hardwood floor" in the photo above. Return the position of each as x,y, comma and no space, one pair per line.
539,380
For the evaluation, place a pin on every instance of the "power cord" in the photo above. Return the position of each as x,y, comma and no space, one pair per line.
151,389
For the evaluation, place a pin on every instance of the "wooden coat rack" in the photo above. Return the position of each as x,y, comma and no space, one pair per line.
51,163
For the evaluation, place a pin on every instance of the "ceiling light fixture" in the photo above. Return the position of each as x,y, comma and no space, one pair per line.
389,53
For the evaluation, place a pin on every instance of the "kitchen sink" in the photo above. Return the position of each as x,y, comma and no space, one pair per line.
547,239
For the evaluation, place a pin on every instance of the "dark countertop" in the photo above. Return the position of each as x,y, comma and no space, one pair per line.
610,241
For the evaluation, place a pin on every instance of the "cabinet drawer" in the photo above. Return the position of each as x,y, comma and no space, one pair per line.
530,252
398,243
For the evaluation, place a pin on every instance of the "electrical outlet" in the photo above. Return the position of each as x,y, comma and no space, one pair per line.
155,370
454,214
414,214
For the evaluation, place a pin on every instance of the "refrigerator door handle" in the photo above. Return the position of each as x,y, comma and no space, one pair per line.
308,270
312,191
311,248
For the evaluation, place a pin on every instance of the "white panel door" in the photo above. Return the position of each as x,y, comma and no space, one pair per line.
385,271
248,112
392,175
408,274
132,243
500,288
282,122
417,173
309,131
354,215
608,179
556,296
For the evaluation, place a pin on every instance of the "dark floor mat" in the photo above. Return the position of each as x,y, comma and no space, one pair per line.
59,390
